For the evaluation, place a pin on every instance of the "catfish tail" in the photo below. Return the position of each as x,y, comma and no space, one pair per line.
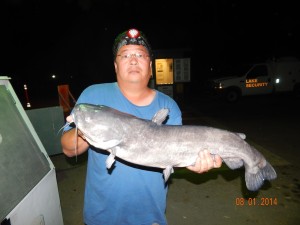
255,181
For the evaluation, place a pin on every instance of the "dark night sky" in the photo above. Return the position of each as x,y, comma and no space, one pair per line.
73,38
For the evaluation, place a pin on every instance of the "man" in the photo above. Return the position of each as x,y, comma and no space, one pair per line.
127,194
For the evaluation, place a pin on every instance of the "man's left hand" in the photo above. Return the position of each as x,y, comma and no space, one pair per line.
205,162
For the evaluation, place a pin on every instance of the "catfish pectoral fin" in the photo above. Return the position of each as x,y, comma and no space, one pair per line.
160,116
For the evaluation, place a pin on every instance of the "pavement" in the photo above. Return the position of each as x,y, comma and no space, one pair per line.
217,197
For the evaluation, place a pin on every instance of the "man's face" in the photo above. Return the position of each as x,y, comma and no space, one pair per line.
133,64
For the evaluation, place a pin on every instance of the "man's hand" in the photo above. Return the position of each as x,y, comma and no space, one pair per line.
205,162
69,119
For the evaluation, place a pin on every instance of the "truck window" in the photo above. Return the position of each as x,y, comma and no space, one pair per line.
257,71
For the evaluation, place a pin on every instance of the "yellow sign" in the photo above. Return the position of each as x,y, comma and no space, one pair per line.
164,71
253,83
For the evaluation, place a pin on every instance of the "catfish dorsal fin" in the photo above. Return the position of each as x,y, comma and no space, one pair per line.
160,116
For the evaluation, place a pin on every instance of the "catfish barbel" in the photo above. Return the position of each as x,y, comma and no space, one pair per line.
153,144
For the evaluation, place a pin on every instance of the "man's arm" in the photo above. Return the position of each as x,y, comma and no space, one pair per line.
73,143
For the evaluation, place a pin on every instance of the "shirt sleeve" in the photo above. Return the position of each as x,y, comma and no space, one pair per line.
175,116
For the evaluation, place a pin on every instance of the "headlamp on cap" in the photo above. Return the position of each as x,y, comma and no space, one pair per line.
131,37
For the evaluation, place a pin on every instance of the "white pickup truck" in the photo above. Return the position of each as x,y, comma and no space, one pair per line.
273,76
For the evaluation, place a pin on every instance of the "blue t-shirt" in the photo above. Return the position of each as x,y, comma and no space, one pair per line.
125,194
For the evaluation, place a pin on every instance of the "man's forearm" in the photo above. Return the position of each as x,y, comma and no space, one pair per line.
73,144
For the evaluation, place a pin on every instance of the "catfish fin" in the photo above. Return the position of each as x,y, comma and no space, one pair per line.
234,163
167,172
160,116
241,135
110,161
111,158
255,180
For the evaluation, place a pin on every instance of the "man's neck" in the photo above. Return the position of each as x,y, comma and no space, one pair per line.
137,94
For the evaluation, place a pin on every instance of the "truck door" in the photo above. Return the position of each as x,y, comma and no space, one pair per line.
258,81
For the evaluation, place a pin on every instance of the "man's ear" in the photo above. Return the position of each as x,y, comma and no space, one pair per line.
116,66
151,71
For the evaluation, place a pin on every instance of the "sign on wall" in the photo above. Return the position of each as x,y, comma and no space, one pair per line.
164,71
182,70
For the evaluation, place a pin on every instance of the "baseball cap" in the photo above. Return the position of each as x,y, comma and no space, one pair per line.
131,37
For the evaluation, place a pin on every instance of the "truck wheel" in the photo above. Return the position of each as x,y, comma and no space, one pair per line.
232,95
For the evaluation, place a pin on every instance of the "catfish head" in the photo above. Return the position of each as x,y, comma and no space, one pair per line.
98,125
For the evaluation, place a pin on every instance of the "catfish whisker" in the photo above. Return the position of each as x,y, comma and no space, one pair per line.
76,135
67,124
76,141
